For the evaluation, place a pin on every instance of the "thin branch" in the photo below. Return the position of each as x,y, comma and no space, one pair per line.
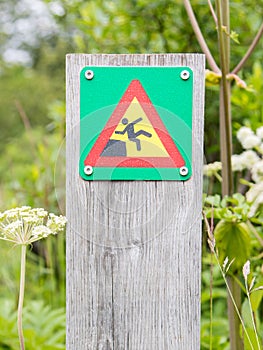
225,108
26,123
212,11
23,115
249,51
199,36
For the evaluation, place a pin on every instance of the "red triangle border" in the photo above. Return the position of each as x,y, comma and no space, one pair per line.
94,159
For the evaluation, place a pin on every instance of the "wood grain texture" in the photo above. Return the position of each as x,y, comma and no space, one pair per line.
133,260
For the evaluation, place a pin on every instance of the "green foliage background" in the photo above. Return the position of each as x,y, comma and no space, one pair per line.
32,115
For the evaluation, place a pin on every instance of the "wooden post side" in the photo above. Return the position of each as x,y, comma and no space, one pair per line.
133,276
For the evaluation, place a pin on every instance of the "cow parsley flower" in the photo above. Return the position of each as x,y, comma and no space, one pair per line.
41,231
26,225
245,160
243,133
249,158
237,162
259,132
251,142
257,171
212,169
23,226
247,138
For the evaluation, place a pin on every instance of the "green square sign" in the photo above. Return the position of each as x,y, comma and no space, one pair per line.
136,123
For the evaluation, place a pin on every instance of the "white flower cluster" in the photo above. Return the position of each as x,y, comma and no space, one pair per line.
26,225
257,171
249,139
245,160
212,169
255,196
250,159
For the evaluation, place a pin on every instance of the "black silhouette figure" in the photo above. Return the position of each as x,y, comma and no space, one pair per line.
132,135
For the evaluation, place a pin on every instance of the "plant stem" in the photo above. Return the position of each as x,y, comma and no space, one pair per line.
233,300
225,93
251,314
249,51
211,242
234,290
21,297
199,36
211,303
236,342
212,11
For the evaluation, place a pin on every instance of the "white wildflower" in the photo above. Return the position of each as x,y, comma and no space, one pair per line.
40,212
259,132
26,225
245,160
13,227
237,162
212,168
243,133
56,223
257,171
11,214
260,148
30,220
41,231
251,142
249,159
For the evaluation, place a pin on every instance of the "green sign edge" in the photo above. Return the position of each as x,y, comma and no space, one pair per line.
151,174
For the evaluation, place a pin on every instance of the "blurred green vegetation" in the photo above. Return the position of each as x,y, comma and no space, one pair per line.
32,115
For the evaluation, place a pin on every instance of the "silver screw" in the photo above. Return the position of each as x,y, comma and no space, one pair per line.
185,75
184,171
88,170
89,74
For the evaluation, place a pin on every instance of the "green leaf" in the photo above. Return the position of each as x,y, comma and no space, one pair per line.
233,241
257,296
214,201
247,317
240,198
215,213
212,78
234,36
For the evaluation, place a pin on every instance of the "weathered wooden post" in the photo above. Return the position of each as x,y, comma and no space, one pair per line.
134,247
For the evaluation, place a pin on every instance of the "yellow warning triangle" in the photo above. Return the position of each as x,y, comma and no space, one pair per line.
135,136
149,143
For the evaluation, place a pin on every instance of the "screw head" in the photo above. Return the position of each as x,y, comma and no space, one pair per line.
88,170
184,171
185,75
89,74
